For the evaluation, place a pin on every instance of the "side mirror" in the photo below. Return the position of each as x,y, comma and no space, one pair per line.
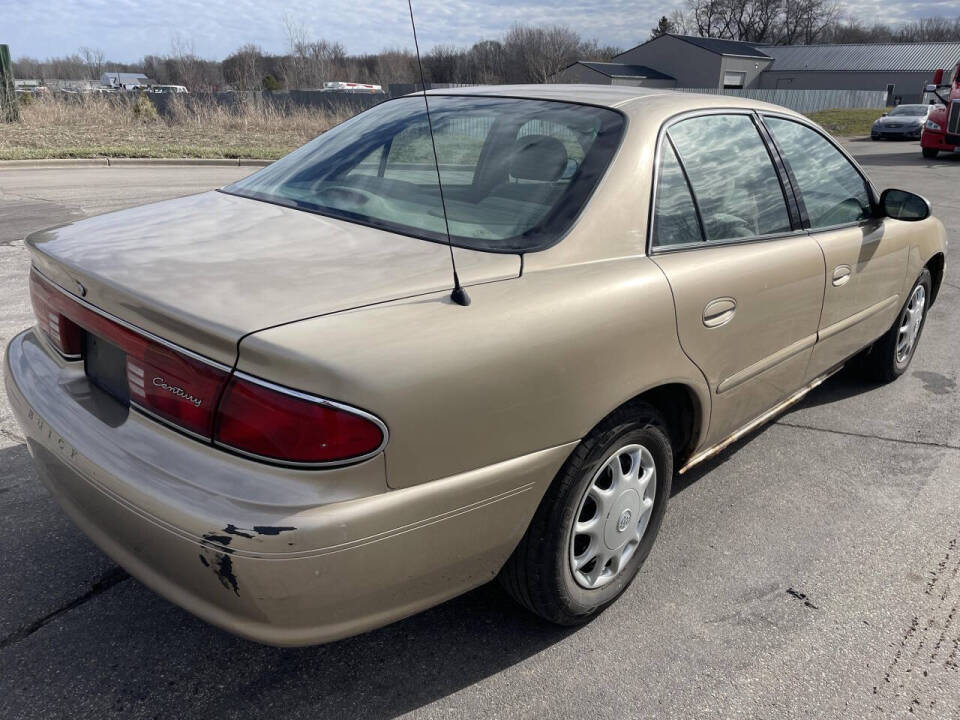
884,115
903,205
937,78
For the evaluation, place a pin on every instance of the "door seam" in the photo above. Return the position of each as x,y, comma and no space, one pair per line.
676,327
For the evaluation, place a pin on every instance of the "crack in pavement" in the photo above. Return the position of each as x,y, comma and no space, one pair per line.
110,578
10,435
927,443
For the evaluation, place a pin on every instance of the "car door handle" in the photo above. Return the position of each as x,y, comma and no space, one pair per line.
719,312
841,275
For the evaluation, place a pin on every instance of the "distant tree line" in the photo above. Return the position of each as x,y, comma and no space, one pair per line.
796,22
525,54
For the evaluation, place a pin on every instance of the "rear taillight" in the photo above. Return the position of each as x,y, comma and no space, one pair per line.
65,335
278,424
174,386
255,418
165,382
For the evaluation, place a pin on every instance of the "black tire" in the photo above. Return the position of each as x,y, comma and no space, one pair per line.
538,574
881,362
930,153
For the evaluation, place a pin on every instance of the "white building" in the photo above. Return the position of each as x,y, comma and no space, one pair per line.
126,81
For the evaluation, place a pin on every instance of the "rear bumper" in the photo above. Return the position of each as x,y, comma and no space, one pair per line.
279,556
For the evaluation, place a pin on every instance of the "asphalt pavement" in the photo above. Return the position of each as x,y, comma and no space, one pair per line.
812,570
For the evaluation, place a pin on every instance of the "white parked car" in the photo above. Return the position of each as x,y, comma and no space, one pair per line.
168,89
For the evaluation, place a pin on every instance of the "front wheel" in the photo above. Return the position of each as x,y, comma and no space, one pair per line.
890,356
930,152
597,522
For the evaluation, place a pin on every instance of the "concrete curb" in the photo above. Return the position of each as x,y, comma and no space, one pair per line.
131,162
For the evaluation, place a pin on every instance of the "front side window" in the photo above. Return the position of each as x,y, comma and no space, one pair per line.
833,191
733,178
515,173
674,214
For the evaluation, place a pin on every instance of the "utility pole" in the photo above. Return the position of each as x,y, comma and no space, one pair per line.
9,108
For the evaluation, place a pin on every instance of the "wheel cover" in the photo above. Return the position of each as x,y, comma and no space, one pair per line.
910,322
612,516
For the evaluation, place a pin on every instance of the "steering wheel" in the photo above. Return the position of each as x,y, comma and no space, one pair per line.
344,196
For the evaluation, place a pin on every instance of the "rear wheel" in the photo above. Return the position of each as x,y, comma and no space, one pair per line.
930,152
890,356
597,522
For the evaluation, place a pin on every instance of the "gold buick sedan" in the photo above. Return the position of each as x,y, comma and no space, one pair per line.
264,404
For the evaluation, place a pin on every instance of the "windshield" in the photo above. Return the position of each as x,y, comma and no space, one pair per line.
915,110
516,173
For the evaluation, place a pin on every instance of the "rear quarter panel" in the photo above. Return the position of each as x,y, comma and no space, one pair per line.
532,363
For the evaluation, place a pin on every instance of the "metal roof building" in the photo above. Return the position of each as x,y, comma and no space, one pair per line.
613,74
887,57
734,48
684,61
902,69
125,81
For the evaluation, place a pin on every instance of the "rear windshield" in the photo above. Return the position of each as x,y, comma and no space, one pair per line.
515,173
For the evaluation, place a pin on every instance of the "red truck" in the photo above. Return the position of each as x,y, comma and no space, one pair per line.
942,130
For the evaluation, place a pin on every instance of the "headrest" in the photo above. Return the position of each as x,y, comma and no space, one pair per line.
538,157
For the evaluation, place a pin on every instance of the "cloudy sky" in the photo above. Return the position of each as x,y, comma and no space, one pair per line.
128,29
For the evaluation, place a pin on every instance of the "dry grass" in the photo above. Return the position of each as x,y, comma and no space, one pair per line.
850,122
89,126
111,126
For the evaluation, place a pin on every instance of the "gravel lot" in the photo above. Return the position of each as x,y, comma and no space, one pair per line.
811,571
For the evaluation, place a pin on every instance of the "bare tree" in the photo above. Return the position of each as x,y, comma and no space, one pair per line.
93,59
766,21
443,64
805,21
486,63
242,68
536,53
294,64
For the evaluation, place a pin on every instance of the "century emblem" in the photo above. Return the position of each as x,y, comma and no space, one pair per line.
624,520
178,391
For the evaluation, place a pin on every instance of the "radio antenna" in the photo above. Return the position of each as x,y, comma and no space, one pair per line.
459,295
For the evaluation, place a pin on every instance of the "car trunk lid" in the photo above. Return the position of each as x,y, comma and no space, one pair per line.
205,270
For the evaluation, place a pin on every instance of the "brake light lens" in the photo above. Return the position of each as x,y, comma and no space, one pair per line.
172,385
65,335
278,424
254,417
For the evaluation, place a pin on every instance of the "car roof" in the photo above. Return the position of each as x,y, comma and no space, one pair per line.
629,99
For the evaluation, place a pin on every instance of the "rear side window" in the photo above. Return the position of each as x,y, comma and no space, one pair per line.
832,189
733,178
674,216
